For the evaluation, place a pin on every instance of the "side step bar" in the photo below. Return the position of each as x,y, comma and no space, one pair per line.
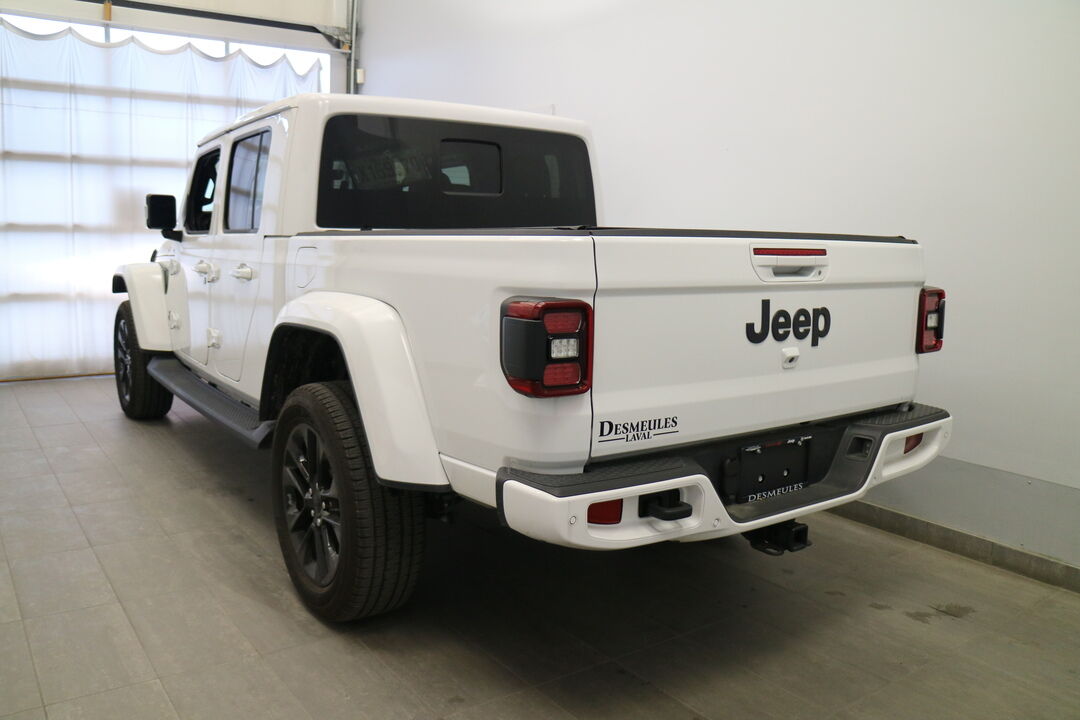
211,402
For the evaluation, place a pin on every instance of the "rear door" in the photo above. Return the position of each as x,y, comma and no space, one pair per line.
706,335
239,248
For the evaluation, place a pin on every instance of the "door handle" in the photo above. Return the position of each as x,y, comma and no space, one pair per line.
242,272
208,271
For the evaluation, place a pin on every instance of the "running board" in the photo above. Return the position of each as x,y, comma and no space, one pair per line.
211,402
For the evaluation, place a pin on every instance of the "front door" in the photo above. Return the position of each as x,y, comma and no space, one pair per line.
191,272
239,249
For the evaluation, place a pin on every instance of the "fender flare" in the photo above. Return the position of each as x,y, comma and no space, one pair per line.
373,341
145,286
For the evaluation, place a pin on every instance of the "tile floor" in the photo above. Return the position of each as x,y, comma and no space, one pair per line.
140,578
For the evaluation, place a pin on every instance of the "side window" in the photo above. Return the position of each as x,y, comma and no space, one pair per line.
247,175
200,200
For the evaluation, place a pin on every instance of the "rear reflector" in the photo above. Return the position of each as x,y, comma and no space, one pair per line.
911,442
790,252
608,512
930,322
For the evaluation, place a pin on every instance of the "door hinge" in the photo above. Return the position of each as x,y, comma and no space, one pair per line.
213,338
174,320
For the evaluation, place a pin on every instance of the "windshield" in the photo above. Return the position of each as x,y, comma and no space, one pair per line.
392,172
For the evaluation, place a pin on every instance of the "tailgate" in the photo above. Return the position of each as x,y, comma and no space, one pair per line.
701,335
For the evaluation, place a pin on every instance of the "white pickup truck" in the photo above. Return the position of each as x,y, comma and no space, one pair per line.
415,301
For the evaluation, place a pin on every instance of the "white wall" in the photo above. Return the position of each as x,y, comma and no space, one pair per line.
956,122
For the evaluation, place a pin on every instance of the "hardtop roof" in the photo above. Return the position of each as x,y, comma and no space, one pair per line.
328,104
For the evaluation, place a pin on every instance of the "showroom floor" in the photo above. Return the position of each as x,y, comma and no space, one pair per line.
140,578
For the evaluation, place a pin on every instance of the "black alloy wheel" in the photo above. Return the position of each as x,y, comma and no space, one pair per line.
123,360
312,504
141,396
353,547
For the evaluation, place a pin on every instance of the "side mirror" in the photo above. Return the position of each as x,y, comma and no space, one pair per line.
161,215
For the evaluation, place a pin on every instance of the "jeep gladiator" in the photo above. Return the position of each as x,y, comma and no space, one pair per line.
413,302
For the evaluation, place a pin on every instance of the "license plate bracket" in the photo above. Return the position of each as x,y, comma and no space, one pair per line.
772,468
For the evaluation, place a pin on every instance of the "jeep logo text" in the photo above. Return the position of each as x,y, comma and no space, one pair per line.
814,323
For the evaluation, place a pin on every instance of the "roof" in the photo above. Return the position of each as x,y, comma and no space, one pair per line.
327,104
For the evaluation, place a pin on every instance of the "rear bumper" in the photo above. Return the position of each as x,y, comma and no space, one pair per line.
554,508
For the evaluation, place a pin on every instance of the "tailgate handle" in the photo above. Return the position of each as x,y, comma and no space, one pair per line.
791,272
789,264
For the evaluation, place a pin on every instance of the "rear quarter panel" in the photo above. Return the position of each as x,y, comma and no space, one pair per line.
448,290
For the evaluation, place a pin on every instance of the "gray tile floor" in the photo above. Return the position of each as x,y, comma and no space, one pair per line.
140,578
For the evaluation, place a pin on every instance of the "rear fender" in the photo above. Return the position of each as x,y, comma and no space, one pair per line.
387,388
145,286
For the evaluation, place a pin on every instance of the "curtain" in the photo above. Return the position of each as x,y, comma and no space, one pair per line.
86,131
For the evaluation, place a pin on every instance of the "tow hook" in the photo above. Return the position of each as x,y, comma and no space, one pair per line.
775,539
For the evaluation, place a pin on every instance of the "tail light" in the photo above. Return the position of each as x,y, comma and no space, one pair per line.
931,321
911,442
547,346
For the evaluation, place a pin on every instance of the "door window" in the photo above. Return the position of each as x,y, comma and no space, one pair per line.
247,174
200,201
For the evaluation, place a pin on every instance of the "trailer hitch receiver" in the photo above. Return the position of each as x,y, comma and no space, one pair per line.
775,539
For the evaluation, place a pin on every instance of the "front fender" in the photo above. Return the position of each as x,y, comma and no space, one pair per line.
376,348
145,286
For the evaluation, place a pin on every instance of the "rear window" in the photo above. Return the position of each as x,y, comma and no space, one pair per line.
391,172
470,167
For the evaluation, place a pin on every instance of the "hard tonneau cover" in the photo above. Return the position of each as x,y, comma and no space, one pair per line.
629,232
754,234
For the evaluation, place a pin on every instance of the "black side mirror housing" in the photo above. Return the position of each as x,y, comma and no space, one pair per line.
161,215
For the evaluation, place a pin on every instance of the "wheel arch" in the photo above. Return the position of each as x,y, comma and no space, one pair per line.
367,337
298,354
144,284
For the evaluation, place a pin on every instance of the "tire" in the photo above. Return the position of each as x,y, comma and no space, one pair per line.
141,396
353,547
